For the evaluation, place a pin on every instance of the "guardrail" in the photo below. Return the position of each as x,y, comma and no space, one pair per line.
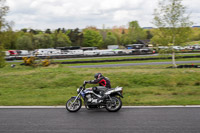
120,60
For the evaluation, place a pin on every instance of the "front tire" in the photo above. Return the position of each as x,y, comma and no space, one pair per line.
72,105
114,105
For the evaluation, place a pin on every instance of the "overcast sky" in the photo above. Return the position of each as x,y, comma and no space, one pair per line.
70,14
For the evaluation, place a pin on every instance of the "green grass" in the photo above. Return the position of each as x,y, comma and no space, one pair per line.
143,85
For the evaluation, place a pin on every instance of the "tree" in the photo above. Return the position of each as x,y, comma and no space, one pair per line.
24,42
3,25
60,39
195,34
48,31
75,36
118,32
24,30
42,41
92,38
10,38
135,32
172,23
125,39
149,34
3,11
110,40
35,32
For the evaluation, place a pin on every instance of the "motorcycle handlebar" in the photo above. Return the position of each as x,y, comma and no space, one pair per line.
84,83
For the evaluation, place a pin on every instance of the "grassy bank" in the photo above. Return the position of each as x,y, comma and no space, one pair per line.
143,85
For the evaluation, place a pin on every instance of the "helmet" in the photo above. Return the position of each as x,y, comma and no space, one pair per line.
98,75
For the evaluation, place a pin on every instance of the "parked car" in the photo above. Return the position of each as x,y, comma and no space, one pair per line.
13,52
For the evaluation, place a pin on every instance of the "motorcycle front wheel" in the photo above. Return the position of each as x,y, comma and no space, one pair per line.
114,105
72,105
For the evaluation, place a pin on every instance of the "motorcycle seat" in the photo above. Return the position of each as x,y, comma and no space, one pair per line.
101,88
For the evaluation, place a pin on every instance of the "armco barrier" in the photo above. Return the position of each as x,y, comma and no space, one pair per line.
120,60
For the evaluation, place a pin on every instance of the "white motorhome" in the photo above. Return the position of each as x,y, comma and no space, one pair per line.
188,47
128,51
91,52
118,51
47,52
73,52
177,48
163,47
23,52
196,47
106,52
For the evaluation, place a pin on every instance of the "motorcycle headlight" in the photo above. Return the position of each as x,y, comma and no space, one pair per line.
78,89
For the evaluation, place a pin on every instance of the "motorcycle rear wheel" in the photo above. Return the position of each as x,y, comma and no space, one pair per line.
114,105
72,105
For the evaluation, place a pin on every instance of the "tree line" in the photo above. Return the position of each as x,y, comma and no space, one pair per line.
30,39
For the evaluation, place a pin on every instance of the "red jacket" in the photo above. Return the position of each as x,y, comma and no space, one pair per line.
103,81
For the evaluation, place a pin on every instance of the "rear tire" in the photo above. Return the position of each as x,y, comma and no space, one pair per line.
73,107
114,105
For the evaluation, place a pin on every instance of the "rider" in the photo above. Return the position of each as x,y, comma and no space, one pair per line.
102,81
99,78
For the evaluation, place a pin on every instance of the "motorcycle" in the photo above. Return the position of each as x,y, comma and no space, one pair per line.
110,99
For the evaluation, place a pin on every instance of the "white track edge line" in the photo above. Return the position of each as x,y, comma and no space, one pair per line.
125,107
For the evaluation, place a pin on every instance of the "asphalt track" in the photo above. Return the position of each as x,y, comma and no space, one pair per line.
134,64
127,120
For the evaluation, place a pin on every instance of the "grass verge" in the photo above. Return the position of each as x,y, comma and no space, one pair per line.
143,85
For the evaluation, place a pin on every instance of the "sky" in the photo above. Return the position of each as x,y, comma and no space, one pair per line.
71,14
